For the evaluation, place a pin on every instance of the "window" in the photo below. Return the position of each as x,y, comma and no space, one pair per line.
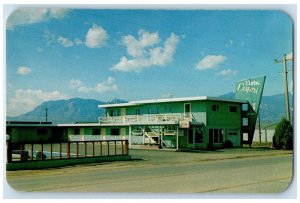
138,111
190,136
76,131
216,135
115,131
215,107
244,107
245,122
96,131
232,109
245,136
233,132
114,112
168,109
153,110
187,110
42,131
198,135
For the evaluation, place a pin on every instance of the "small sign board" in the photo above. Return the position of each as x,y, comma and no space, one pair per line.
184,124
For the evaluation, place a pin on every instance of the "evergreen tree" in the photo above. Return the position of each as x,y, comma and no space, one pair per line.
283,136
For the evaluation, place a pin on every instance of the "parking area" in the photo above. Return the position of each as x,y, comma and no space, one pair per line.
230,171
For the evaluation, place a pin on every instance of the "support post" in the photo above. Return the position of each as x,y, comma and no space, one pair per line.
143,135
107,148
284,60
76,149
31,151
68,150
100,148
9,151
51,150
21,152
129,138
93,148
60,150
266,135
177,138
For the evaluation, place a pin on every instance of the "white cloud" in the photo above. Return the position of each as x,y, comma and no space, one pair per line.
75,83
210,61
49,37
26,100
23,70
96,37
25,16
108,85
227,72
145,52
77,41
65,41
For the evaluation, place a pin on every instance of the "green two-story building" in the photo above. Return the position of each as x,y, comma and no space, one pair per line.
182,123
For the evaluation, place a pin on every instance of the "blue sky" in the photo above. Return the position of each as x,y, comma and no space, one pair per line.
140,54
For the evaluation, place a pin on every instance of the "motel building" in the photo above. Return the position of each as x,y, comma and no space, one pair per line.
180,123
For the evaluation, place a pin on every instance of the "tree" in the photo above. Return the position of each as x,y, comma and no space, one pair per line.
283,136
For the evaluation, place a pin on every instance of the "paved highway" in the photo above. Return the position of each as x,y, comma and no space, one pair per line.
167,172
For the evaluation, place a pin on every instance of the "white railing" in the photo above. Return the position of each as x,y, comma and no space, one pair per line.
142,118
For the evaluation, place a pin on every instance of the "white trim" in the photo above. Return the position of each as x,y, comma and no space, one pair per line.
200,98
79,125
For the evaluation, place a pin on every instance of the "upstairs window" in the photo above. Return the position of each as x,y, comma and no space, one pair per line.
115,131
76,131
114,112
96,131
244,107
245,122
232,109
215,107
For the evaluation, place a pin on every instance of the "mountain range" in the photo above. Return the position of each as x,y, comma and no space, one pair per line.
74,110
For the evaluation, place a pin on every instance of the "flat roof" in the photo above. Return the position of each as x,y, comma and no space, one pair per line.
181,99
78,125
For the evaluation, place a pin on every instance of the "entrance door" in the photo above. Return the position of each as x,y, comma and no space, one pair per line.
187,110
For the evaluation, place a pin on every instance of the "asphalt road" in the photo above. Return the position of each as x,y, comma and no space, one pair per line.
236,171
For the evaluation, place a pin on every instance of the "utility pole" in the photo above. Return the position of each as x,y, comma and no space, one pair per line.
284,60
46,114
259,129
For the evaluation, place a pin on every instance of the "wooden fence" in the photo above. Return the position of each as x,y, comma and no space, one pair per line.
26,152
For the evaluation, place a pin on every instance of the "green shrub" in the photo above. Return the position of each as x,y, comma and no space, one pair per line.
227,144
283,136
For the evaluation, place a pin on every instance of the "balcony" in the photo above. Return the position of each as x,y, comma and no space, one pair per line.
145,119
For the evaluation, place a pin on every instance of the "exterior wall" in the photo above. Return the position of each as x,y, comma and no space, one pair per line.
229,122
161,108
225,122
30,134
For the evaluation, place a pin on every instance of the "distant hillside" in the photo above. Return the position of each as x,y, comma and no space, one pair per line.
66,111
272,108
